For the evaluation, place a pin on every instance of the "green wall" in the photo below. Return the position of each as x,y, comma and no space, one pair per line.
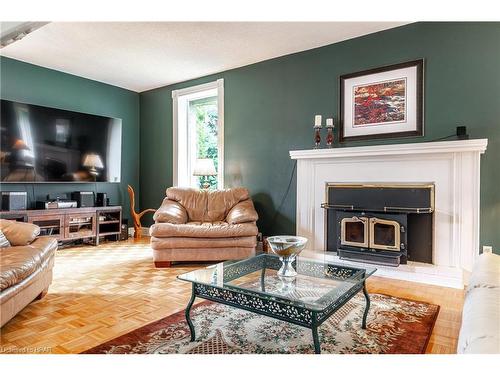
269,109
33,84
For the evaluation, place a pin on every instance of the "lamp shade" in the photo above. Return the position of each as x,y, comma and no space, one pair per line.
20,145
92,161
204,167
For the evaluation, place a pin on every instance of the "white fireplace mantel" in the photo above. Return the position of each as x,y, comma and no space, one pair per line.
471,145
452,166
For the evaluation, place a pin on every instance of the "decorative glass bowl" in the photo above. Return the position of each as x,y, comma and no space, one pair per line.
287,248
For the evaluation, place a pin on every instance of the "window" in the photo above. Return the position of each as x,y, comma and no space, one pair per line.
198,119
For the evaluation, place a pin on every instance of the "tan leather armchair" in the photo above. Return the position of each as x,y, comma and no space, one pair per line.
25,267
201,225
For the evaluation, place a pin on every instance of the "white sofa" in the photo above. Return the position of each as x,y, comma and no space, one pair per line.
480,331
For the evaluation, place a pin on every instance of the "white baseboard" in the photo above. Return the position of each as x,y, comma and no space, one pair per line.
144,231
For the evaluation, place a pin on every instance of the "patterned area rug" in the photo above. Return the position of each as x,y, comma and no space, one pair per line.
395,325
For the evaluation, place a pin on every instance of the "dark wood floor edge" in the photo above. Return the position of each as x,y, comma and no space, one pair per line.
431,328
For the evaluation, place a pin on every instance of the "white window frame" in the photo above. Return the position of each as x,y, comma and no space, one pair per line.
190,93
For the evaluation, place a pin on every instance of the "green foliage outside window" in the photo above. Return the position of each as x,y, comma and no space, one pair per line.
204,112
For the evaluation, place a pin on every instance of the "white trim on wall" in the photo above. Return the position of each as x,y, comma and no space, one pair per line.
175,176
220,116
191,93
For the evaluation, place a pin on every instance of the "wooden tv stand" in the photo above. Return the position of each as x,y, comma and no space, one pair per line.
68,224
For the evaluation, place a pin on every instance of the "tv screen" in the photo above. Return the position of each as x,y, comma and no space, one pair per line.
41,144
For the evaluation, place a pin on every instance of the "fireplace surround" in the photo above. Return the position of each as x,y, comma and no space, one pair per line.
453,167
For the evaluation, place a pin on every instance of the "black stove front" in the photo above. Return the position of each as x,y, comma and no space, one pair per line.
382,224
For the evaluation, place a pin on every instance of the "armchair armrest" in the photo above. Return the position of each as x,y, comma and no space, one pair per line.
19,233
242,212
171,212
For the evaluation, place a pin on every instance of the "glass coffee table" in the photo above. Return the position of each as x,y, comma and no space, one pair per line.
319,289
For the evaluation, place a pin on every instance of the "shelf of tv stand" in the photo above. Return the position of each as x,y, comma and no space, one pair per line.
108,222
61,220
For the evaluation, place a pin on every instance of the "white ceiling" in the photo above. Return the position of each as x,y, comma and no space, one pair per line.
143,55
7,27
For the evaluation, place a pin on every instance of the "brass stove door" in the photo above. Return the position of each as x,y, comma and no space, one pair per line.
384,234
354,231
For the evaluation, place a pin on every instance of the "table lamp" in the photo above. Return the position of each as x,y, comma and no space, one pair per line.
204,167
93,161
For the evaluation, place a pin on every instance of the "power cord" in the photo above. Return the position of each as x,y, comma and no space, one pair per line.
443,138
286,192
460,134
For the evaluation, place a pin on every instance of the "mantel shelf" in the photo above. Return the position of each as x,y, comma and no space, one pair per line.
469,145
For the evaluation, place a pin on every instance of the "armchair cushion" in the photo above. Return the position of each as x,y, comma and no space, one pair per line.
220,202
18,233
207,206
193,201
171,212
242,212
202,243
218,229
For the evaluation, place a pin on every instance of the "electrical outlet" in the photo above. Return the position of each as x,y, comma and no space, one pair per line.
487,249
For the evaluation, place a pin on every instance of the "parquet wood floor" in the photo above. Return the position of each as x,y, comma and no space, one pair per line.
99,293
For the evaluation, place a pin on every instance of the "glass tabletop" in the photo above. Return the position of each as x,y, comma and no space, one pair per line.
318,284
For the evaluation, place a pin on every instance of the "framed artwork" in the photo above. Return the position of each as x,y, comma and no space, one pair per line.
385,102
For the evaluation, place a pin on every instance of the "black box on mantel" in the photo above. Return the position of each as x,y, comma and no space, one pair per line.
83,198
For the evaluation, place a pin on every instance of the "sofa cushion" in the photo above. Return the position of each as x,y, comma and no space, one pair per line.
483,345
480,331
18,233
203,229
19,262
4,242
486,273
206,206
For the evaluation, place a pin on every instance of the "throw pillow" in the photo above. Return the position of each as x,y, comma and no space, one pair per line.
4,242
19,233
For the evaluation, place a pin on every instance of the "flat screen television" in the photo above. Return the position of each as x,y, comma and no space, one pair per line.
42,144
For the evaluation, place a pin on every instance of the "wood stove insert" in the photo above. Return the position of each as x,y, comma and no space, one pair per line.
380,223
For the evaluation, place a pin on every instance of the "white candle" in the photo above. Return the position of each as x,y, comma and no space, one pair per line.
317,120
329,122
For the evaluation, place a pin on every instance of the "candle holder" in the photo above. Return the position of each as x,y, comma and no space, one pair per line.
329,136
317,136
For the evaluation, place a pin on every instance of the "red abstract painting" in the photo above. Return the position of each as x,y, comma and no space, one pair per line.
380,103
